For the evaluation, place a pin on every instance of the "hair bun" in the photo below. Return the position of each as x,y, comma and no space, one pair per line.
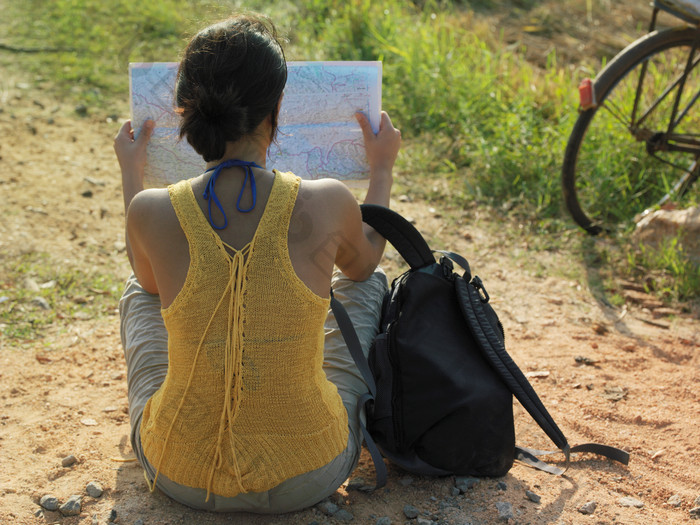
230,79
217,107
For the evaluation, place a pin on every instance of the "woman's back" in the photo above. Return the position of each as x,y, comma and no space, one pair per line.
245,346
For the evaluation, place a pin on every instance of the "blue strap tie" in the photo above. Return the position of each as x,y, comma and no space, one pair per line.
210,193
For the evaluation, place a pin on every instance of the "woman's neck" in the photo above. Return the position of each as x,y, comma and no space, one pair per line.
252,149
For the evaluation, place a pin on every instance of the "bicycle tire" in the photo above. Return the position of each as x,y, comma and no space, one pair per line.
594,213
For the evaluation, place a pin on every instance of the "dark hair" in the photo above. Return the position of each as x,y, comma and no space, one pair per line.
230,79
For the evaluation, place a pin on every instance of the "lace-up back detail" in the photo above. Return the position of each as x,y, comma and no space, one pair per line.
245,404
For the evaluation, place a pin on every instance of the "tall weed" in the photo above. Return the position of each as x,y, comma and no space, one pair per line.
668,267
498,124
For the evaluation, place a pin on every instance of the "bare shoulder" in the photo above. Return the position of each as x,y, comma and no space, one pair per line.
150,210
326,199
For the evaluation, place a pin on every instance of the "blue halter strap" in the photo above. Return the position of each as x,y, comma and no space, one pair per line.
210,194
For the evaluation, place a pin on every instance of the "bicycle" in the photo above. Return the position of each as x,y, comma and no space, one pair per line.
636,143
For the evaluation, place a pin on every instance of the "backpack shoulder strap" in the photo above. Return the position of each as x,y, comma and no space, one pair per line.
472,306
470,302
349,334
400,233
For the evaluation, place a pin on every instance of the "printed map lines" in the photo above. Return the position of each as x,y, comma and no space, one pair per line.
318,134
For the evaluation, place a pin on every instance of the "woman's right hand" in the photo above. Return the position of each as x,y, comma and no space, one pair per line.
131,154
382,148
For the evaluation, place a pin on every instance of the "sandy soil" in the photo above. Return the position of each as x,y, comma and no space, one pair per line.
636,388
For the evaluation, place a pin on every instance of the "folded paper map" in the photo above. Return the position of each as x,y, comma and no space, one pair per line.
318,135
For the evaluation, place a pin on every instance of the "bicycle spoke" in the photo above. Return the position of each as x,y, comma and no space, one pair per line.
616,112
686,109
665,93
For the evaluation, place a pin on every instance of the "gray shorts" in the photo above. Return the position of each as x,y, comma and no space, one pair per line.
145,343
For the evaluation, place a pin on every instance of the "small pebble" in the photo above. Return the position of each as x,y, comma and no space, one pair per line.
138,522
112,515
328,508
448,503
81,109
502,485
532,496
675,500
360,484
505,510
406,481
94,489
68,461
39,513
384,520
71,507
424,521
454,491
356,484
695,513
464,484
410,512
588,508
49,502
629,501
41,303
31,285
343,515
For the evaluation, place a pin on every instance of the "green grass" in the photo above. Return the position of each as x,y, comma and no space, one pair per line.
482,125
667,270
89,43
36,292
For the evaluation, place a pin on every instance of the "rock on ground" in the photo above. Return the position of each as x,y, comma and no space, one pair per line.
410,512
505,510
49,502
71,507
588,508
94,489
661,225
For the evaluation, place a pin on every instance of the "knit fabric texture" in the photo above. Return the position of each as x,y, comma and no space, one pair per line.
245,404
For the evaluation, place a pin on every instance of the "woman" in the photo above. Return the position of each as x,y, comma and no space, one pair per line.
237,400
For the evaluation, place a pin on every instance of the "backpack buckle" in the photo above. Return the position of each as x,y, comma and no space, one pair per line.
447,267
483,294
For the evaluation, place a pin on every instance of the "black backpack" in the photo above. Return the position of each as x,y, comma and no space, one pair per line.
441,382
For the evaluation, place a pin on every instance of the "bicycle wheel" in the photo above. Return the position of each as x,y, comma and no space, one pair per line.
616,165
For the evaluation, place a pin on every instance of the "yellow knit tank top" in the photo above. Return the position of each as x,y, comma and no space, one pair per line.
245,404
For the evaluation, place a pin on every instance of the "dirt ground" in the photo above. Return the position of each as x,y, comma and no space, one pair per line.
628,376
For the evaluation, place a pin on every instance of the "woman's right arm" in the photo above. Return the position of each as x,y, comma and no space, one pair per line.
361,247
131,154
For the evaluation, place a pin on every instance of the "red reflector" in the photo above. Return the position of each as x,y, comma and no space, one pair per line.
586,93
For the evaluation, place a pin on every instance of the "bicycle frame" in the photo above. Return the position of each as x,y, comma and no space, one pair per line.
668,140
